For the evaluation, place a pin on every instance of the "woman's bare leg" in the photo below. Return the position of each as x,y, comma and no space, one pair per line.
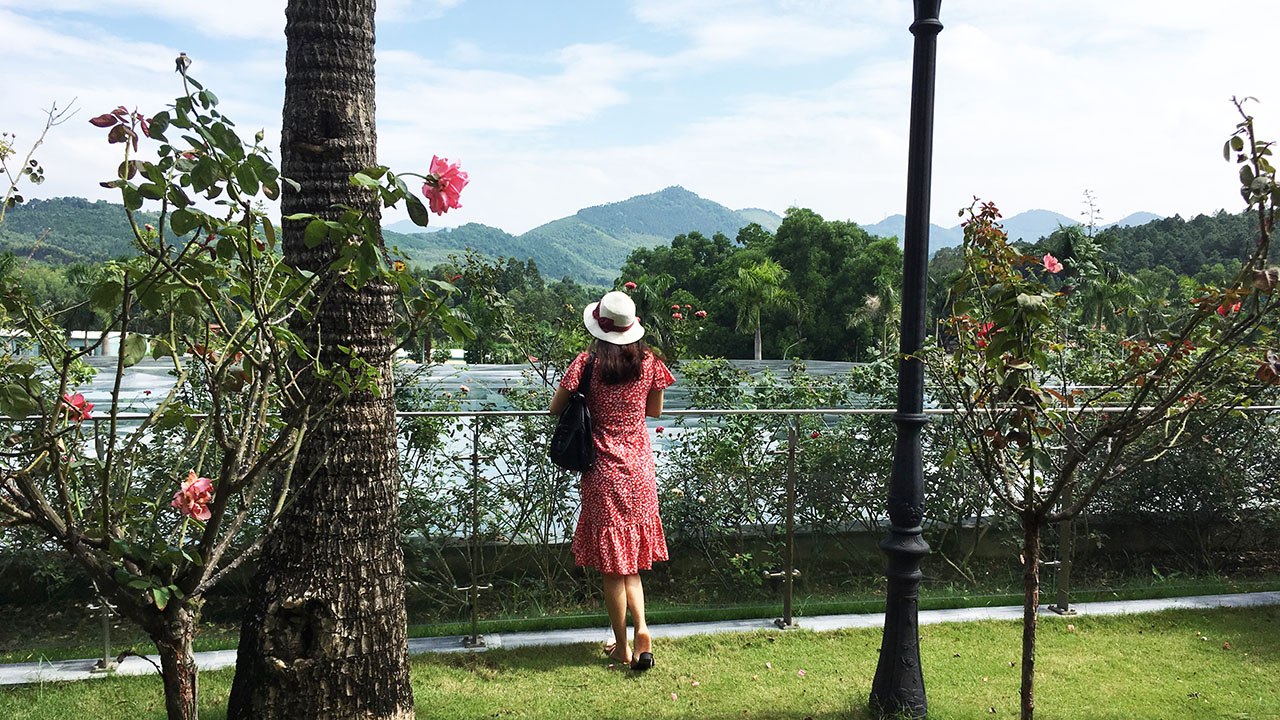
615,601
635,601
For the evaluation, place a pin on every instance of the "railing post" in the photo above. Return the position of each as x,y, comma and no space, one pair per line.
475,639
1062,579
106,664
787,620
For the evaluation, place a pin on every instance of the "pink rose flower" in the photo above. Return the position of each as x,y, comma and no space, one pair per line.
629,285
675,307
464,388
1051,264
659,430
677,316
700,314
77,407
815,434
194,497
444,185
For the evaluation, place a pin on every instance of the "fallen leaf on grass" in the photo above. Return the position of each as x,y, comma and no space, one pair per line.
769,665
801,673
673,696
695,683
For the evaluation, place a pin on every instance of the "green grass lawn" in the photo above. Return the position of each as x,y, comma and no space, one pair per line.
34,636
1172,664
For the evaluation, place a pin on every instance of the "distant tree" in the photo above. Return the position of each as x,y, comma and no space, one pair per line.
758,289
880,310
831,264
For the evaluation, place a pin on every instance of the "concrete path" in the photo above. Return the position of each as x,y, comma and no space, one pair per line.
64,670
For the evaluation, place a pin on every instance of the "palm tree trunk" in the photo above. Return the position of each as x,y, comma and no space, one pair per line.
759,355
324,634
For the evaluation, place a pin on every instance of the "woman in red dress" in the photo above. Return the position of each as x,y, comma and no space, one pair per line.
619,532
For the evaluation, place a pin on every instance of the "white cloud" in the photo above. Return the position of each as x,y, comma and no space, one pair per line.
413,10
416,90
224,18
764,33
1035,101
100,71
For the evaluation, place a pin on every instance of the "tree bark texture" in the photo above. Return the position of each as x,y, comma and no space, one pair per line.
759,346
172,632
1030,606
324,635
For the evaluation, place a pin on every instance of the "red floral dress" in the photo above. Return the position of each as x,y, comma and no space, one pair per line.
618,529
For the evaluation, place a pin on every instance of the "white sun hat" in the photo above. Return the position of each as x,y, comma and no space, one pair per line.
613,319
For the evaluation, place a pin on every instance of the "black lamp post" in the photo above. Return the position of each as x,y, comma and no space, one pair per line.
898,688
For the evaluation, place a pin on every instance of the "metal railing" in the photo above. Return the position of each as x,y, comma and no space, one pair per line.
475,460
788,573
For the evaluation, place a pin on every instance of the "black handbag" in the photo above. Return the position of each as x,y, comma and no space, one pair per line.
571,445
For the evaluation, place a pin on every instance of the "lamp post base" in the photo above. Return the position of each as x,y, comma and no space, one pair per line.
898,688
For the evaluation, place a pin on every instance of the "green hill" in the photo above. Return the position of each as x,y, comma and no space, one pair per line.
588,246
592,244
78,230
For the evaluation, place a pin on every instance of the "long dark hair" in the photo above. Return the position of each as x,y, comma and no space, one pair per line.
620,363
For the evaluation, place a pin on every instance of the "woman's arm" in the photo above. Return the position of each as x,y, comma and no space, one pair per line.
652,404
561,400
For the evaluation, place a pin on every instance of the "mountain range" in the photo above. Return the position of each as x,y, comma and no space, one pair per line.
591,244
1029,226
588,246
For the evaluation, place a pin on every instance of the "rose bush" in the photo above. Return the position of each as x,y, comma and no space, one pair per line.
100,485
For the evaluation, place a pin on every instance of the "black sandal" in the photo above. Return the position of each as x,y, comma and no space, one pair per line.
643,661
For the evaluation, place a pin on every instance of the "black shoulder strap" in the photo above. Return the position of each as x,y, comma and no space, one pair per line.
584,381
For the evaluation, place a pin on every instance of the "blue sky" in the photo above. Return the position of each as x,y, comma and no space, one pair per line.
554,105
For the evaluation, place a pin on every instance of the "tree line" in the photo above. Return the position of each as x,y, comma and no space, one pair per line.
818,289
